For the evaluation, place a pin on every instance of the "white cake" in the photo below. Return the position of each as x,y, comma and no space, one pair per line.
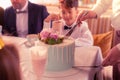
60,56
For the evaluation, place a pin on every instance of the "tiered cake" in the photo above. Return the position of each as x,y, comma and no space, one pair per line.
60,56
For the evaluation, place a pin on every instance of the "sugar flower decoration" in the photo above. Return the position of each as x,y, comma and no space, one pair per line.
50,37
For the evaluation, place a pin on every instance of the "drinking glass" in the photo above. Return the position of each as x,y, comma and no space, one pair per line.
31,40
47,25
57,26
38,57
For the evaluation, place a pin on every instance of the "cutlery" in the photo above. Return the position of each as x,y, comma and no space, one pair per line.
72,29
79,22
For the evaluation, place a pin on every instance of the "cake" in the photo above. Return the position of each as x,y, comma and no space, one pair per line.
60,56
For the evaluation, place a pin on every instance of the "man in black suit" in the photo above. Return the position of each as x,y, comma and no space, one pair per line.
24,17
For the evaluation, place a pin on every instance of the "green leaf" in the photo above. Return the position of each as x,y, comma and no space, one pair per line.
51,41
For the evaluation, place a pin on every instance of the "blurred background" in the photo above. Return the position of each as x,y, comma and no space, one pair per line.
6,3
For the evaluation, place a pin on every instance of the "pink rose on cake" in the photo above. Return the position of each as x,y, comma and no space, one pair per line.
49,37
44,35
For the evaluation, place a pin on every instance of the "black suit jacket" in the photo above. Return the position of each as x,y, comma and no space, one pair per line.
36,16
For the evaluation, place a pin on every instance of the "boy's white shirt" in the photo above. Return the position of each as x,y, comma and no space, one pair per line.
81,34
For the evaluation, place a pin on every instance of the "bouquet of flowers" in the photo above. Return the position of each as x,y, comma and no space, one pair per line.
49,37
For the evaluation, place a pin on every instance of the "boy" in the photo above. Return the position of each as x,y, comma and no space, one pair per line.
81,33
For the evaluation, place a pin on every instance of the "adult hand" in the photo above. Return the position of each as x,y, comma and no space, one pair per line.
86,14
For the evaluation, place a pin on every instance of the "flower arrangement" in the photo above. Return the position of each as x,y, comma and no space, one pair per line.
50,37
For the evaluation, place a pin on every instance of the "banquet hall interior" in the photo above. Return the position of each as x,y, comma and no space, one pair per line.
100,28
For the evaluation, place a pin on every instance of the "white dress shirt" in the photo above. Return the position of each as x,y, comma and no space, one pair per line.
102,5
22,21
81,34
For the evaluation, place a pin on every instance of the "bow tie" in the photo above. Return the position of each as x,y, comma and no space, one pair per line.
19,12
66,27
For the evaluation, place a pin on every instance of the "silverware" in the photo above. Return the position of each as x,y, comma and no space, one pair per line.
99,66
71,30
85,13
79,22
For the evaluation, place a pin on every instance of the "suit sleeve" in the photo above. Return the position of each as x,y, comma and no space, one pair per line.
45,12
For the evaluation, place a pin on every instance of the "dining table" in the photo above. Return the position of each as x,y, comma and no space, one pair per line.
87,66
87,63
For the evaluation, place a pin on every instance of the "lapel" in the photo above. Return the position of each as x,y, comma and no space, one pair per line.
31,18
13,20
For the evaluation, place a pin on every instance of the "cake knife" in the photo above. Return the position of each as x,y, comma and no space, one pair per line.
71,30
79,22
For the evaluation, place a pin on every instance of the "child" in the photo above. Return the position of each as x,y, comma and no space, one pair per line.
81,33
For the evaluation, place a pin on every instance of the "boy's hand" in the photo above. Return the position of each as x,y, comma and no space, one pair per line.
52,17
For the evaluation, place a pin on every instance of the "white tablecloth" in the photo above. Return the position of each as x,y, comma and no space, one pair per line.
87,62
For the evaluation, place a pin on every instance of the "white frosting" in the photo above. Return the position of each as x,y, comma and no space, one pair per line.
60,56
38,52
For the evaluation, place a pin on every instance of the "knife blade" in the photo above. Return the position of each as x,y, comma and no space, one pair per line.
79,22
72,29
